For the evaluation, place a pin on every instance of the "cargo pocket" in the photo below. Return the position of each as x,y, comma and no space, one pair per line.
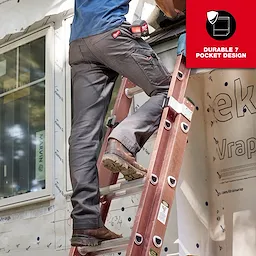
151,66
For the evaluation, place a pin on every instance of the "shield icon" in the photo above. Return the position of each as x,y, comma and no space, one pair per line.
212,16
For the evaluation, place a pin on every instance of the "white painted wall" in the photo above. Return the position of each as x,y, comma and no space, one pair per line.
18,15
194,227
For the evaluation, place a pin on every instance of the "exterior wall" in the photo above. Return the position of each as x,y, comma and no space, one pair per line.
44,227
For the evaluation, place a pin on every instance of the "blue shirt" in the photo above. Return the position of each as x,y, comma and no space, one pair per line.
93,17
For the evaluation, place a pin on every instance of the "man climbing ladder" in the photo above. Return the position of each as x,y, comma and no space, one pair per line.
101,47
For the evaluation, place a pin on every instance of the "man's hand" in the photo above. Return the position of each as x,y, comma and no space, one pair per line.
167,7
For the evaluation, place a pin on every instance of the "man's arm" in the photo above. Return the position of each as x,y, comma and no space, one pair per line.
167,7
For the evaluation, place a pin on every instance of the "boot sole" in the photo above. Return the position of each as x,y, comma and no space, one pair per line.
116,164
85,241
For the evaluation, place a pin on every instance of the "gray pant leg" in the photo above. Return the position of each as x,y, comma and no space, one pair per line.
92,85
136,60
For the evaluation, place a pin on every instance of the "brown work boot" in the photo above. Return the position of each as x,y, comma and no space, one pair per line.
92,237
118,159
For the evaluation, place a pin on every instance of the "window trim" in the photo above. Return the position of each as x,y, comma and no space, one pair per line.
66,24
48,192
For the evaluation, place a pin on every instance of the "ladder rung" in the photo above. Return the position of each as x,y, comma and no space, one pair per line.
123,188
110,246
130,92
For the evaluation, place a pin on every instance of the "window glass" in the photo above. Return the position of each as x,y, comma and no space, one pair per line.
22,120
8,71
31,61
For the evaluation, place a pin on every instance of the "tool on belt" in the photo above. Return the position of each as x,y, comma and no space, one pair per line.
139,28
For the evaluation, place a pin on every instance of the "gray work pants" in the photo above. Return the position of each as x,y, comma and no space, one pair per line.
95,64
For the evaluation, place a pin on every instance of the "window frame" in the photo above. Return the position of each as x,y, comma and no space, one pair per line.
48,192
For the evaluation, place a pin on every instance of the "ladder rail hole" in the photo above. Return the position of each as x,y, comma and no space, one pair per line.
154,180
184,127
157,241
171,181
167,125
138,239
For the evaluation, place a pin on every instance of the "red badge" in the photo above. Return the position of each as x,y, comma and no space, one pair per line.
219,34
116,34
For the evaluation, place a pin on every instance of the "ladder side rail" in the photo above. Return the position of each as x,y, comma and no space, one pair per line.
168,180
120,111
73,251
149,192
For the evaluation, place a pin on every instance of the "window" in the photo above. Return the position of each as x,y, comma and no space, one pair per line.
24,123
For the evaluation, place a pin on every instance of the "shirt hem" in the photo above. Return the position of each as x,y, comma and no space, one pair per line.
96,33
